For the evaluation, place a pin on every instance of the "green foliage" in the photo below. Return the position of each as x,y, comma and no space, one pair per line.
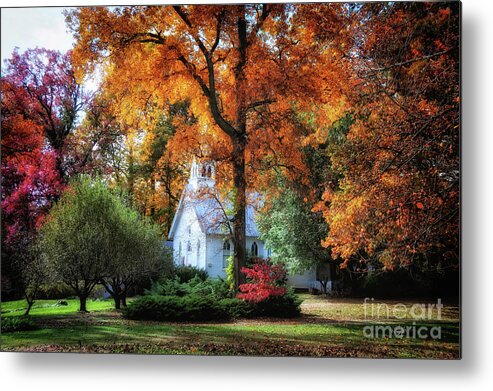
91,235
170,287
191,308
286,306
78,238
17,323
237,308
293,232
55,290
186,273
230,273
217,288
199,300
175,308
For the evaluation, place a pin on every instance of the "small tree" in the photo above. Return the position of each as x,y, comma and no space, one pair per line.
29,267
77,240
294,232
264,280
140,255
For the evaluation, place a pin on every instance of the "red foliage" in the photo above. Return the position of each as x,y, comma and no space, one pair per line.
265,280
30,176
39,90
34,184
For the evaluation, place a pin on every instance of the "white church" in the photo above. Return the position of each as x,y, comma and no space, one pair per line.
201,228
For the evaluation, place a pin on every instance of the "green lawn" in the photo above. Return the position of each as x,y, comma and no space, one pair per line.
331,327
50,307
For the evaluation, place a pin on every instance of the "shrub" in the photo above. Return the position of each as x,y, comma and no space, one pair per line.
173,287
197,307
237,308
175,308
217,288
266,291
17,323
285,306
152,307
209,299
194,308
265,280
186,273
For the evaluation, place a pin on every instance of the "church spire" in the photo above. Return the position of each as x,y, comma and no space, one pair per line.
202,173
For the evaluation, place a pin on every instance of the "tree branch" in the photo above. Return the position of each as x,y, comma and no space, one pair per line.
264,102
265,13
399,64
220,19
209,91
184,16
243,41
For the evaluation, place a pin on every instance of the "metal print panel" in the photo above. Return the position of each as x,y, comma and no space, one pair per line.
254,179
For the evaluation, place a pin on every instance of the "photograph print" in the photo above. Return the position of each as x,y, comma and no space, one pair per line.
235,179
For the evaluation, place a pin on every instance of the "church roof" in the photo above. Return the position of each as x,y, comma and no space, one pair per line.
214,211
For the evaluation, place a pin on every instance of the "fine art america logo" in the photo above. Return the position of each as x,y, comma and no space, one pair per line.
415,317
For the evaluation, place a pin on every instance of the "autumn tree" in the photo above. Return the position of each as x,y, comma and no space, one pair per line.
30,184
397,201
97,145
40,103
157,175
245,68
292,230
52,98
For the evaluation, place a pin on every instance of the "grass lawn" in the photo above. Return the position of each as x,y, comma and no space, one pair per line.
328,327
50,307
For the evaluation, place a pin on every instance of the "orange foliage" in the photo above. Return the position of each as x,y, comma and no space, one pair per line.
265,81
398,199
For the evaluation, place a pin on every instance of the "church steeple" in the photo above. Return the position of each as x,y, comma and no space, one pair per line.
202,174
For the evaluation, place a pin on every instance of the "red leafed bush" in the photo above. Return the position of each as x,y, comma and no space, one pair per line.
265,280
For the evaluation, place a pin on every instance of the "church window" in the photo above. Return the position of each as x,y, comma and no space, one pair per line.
189,247
226,253
254,249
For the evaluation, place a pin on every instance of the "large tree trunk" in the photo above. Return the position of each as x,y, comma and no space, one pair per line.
83,302
239,225
239,146
117,300
113,287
